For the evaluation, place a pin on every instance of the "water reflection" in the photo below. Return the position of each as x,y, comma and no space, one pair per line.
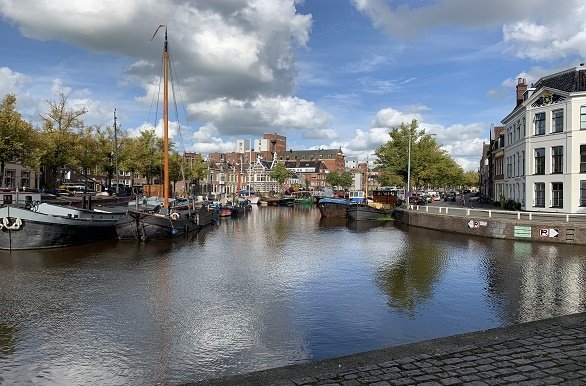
409,280
535,280
367,225
273,287
7,340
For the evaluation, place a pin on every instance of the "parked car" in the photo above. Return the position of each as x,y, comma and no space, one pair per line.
450,196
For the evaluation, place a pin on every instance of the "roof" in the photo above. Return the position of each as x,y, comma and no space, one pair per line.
315,165
318,153
571,80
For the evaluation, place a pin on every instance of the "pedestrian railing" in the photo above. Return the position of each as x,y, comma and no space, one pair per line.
500,214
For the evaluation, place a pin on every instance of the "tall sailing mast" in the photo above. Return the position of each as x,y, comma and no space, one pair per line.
166,124
165,118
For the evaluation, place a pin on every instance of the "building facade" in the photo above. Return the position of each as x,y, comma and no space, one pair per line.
545,144
17,176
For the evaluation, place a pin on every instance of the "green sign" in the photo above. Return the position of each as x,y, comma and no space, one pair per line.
523,231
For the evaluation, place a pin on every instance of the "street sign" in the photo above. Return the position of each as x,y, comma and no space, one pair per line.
522,231
548,232
473,224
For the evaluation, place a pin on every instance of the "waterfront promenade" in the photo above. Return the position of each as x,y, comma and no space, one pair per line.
485,220
546,352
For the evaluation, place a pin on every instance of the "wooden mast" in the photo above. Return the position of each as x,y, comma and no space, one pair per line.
166,125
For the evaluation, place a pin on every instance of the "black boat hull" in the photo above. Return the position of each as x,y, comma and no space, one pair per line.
26,229
144,226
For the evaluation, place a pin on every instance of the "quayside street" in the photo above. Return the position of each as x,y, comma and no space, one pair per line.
545,352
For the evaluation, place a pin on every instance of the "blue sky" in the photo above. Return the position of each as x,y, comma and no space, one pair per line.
325,73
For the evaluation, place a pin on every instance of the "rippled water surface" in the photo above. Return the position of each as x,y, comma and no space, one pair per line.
276,287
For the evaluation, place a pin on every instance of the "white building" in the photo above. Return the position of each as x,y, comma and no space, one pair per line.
545,144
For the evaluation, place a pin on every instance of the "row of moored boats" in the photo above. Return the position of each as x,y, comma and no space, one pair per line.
28,223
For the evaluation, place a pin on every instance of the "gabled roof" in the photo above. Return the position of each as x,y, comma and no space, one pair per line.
571,80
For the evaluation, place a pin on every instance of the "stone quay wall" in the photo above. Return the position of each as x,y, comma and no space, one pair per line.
499,228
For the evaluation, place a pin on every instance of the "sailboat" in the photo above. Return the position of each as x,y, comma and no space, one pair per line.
164,222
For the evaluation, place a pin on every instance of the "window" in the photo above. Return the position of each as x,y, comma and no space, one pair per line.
557,121
583,118
557,193
523,167
9,175
25,179
582,158
540,194
557,159
582,193
540,161
539,123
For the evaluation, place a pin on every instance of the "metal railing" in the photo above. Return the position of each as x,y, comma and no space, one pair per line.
500,214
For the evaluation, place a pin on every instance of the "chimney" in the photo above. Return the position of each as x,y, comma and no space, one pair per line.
521,89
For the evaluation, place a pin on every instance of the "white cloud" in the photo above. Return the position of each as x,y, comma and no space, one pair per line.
11,82
531,28
207,140
255,116
390,117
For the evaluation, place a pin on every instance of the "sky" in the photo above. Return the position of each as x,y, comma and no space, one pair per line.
324,73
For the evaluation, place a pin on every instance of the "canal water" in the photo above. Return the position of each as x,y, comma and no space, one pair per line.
275,287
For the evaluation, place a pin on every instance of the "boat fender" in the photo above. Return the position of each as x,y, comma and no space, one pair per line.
6,223
175,216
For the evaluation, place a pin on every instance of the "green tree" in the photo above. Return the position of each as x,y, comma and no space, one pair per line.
471,179
176,168
279,173
131,159
430,164
345,180
196,170
18,139
149,150
86,156
333,178
60,130
106,151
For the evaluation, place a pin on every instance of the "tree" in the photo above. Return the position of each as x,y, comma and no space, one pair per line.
18,139
279,173
430,164
333,178
106,151
59,136
471,179
176,162
149,154
86,156
345,180
196,170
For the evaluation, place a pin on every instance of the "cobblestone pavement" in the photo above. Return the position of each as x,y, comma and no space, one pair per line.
547,352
